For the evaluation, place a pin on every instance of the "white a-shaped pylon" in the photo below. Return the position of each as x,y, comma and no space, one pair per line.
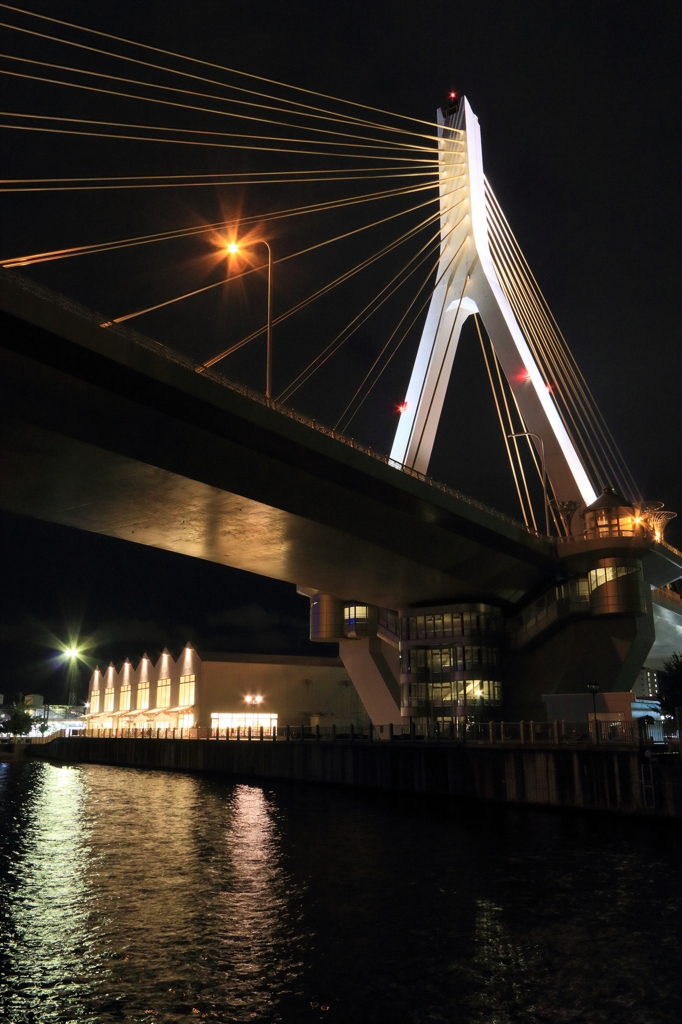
467,283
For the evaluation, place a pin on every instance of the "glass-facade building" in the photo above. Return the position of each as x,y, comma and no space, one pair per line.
450,661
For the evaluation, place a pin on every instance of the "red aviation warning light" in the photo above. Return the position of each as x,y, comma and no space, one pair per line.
402,407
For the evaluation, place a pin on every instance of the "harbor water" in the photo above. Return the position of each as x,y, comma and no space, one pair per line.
133,895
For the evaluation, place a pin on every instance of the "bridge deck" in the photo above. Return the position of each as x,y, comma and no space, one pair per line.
110,432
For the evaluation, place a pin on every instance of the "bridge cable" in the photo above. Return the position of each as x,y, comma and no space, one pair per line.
171,180
194,60
94,248
341,279
312,367
410,161
342,422
386,143
368,311
505,432
562,363
281,259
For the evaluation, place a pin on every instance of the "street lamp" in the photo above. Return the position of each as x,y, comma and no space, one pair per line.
529,433
594,690
233,249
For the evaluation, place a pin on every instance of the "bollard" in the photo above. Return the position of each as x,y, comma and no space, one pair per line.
412,732
261,734
556,732
532,732
239,728
522,733
248,734
352,732
274,733
334,732
371,732
288,733
317,732
491,733
390,731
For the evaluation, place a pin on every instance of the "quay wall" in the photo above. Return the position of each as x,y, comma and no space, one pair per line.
618,780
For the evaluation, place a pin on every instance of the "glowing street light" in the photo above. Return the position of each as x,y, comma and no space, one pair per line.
233,250
71,653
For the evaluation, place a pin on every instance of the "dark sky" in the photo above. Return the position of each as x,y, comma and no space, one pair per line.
579,107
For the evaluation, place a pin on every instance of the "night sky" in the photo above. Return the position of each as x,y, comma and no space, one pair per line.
579,108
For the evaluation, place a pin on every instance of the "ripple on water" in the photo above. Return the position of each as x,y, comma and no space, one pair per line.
137,896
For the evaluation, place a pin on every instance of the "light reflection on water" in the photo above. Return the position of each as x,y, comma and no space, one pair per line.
139,896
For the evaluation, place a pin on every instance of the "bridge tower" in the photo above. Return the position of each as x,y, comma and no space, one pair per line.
467,283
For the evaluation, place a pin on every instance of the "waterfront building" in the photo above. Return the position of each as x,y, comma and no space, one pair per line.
227,691
646,684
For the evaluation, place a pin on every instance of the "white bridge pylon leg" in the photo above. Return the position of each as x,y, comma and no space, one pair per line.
467,283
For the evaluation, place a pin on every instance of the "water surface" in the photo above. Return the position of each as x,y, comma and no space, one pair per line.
131,895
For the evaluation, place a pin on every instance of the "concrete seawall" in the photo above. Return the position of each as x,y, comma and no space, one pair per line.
617,780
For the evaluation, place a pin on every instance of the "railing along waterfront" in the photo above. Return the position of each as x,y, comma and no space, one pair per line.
639,732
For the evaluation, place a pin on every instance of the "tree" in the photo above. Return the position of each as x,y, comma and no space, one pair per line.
670,684
19,723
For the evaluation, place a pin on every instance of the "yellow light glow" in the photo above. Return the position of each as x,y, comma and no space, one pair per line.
71,652
233,248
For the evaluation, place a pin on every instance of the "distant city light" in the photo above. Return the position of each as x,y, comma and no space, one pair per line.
253,700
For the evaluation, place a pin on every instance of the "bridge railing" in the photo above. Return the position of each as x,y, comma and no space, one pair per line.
639,732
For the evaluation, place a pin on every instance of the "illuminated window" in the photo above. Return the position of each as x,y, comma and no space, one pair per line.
185,721
143,695
163,693
244,721
186,696
124,699
597,577
94,702
108,699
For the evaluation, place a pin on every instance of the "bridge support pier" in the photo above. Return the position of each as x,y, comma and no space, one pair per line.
372,665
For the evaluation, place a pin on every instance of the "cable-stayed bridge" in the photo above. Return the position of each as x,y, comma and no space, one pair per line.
107,430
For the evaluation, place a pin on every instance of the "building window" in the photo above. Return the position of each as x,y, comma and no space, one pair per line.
108,699
124,698
185,721
186,696
143,695
163,693
597,577
241,721
94,702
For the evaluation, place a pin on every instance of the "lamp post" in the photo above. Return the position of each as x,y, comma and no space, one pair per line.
529,433
594,690
233,249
